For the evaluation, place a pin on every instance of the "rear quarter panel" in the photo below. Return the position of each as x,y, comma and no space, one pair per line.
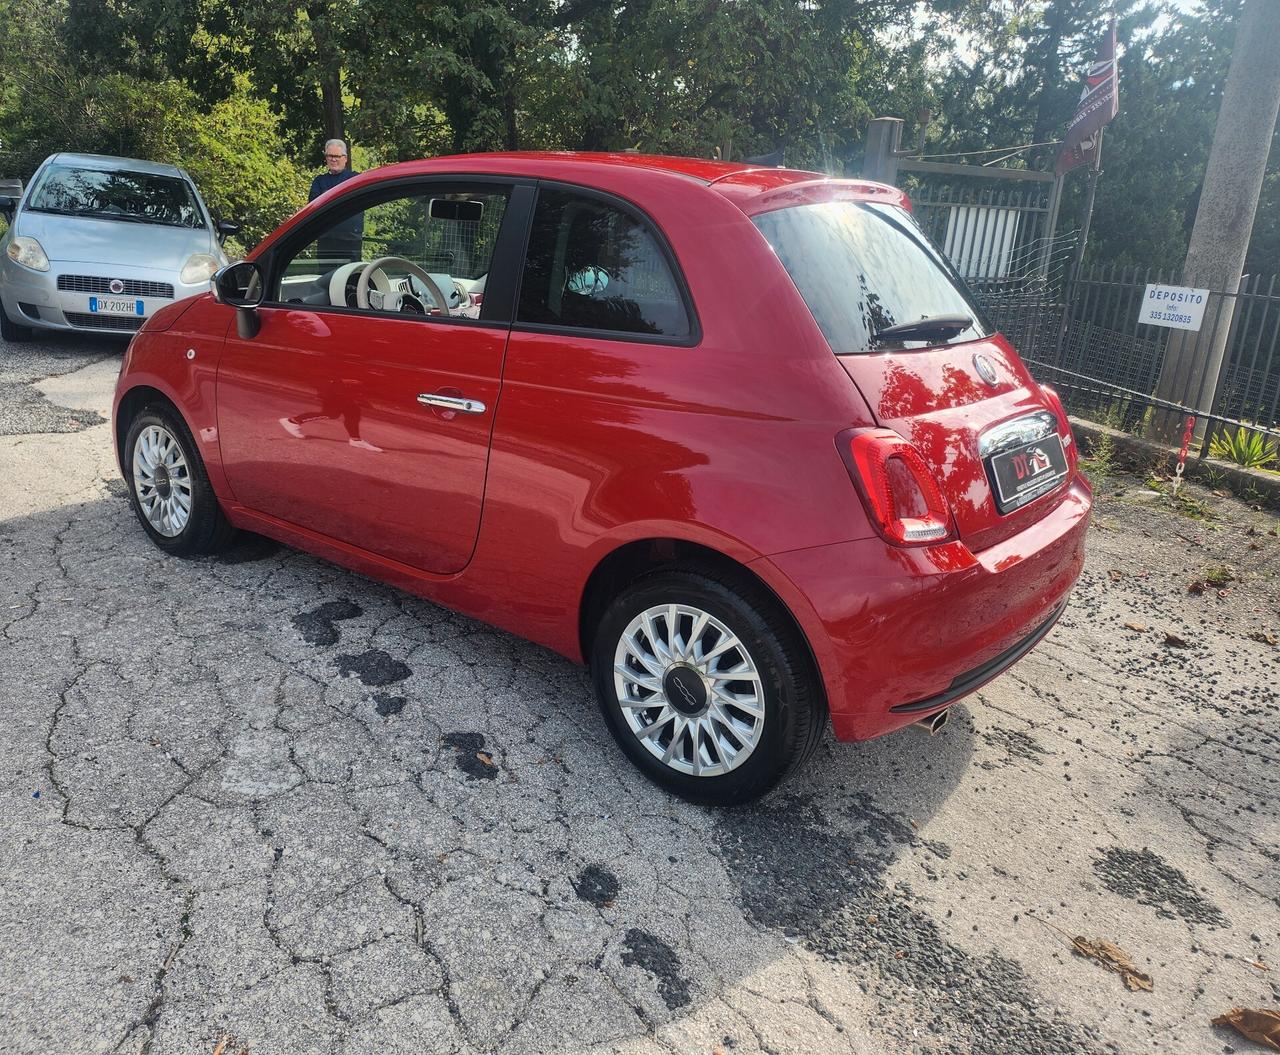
729,443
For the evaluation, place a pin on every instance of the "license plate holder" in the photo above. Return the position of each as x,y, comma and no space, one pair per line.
116,306
1024,473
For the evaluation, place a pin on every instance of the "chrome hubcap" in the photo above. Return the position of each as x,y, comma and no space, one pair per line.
689,690
162,480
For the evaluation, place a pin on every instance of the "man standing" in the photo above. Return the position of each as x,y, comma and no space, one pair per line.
342,241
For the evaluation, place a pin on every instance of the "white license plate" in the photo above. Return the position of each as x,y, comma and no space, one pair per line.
115,306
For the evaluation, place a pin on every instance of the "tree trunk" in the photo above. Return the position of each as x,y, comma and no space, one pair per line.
509,112
335,118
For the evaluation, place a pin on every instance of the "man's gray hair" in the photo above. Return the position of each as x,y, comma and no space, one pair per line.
335,143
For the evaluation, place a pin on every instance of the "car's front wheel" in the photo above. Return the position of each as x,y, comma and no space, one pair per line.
169,488
706,685
10,330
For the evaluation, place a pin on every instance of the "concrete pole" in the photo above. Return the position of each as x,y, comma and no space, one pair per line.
1228,202
879,159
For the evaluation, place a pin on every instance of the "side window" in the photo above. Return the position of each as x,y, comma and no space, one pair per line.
439,243
594,266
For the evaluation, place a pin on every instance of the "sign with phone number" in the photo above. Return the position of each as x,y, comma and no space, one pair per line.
1178,307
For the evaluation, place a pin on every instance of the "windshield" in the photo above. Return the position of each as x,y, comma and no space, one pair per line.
133,197
862,267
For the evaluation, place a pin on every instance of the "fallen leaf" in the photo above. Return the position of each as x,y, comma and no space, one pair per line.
900,955
222,1045
1113,958
1174,641
1141,628
1116,574
1196,587
485,757
872,918
1260,965
1260,1024
1264,637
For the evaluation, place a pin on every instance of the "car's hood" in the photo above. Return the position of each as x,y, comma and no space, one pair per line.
85,240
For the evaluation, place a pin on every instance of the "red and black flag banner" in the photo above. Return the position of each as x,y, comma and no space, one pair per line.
1099,103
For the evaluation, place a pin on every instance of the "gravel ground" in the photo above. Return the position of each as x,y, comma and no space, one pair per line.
259,803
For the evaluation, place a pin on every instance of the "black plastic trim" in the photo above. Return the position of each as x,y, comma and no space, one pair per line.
973,679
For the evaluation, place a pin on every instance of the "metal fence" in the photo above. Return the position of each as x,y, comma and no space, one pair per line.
989,233
1084,337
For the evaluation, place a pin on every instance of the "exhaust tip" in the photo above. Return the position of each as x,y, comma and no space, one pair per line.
934,722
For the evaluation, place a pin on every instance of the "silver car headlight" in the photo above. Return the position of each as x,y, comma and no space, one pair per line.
28,252
199,268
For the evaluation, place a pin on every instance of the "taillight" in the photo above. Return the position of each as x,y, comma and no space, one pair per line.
904,500
1064,423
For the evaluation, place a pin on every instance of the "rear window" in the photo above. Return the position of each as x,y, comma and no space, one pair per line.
132,197
862,267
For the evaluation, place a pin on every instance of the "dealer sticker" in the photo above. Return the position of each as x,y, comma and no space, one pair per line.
1179,307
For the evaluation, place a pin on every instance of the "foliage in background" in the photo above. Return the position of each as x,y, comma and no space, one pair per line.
1244,447
232,148
244,94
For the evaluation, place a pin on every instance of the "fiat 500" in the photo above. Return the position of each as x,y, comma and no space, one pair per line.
737,438
100,243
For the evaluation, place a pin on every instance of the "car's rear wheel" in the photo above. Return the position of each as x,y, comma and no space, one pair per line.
10,330
169,488
706,685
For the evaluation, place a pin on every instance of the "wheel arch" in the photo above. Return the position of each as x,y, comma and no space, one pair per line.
130,403
633,559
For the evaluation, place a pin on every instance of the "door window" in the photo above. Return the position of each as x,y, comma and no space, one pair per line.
592,265
424,253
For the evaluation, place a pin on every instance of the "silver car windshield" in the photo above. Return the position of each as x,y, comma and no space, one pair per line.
131,197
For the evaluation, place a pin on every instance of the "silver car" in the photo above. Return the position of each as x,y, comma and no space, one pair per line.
97,244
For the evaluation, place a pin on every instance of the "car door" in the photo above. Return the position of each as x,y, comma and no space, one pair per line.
365,415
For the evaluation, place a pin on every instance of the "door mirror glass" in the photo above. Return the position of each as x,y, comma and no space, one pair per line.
239,285
226,227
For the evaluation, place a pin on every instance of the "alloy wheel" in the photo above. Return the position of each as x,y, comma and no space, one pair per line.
689,690
162,480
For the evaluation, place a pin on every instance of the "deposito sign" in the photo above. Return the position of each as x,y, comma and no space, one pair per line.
1179,307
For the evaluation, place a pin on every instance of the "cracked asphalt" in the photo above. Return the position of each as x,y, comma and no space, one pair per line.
258,803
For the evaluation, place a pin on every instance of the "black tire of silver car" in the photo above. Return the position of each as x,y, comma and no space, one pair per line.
12,331
169,488
664,661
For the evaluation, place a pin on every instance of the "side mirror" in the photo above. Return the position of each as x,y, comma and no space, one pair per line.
8,205
241,285
225,228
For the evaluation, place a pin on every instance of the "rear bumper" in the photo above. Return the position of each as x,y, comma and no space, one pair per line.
901,633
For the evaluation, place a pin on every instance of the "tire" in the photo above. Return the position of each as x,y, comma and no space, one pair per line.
11,331
159,438
743,750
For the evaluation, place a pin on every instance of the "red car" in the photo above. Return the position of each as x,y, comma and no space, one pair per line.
737,438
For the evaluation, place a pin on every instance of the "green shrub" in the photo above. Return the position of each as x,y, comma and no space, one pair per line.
1246,447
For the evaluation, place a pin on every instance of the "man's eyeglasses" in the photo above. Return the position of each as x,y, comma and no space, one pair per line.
334,157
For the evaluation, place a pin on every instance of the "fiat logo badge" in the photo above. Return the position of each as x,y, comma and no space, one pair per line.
116,285
985,370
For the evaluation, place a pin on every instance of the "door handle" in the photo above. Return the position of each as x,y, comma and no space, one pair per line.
467,406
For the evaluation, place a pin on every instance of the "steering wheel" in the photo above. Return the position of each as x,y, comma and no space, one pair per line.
376,266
